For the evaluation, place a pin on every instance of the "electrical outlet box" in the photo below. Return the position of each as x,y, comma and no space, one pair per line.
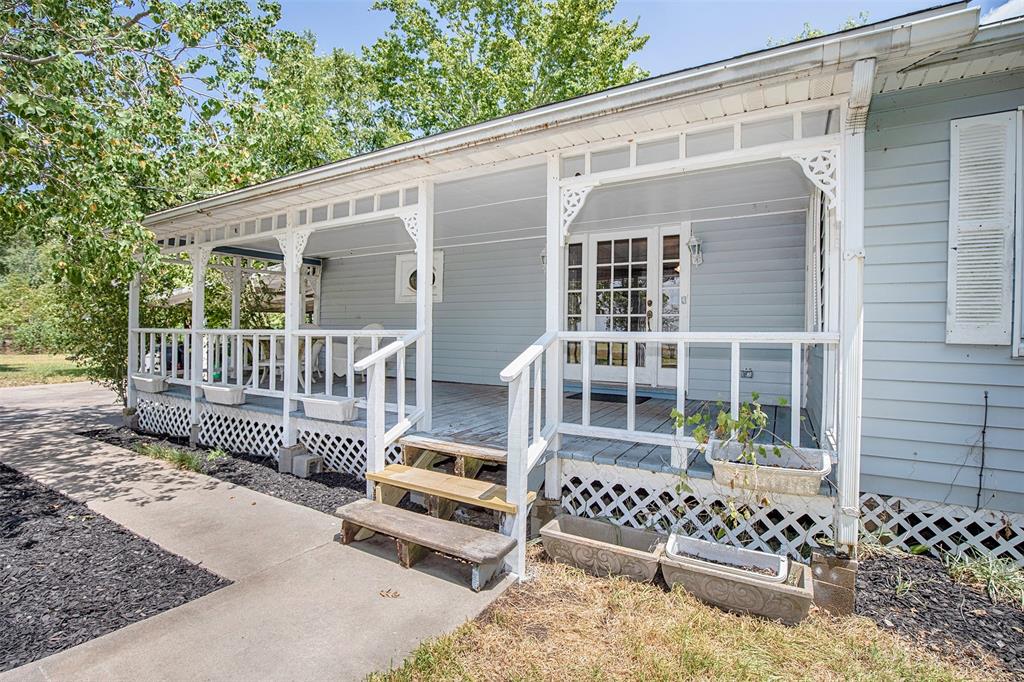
746,373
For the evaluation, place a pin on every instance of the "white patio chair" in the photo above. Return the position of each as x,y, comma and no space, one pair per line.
361,348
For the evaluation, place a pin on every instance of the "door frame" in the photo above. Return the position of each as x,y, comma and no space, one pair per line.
653,374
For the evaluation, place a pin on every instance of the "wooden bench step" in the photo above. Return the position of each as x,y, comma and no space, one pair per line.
414,533
449,447
461,490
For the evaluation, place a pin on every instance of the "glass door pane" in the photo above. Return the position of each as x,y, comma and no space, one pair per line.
620,295
574,300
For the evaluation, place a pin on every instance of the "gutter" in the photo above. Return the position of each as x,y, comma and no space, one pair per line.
895,37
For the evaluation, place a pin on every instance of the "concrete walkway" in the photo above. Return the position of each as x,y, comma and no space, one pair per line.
302,606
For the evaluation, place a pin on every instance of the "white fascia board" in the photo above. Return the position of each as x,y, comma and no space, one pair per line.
944,27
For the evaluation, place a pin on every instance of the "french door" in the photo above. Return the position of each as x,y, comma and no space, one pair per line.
625,281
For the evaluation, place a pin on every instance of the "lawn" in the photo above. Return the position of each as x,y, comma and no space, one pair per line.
565,625
18,369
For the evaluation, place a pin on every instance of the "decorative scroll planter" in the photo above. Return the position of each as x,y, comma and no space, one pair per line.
149,384
602,549
329,408
224,395
798,471
733,589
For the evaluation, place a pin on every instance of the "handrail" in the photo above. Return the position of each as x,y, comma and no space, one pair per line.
388,350
526,358
227,330
379,333
704,337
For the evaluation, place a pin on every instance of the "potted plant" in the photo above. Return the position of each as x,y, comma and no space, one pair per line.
149,383
736,451
602,548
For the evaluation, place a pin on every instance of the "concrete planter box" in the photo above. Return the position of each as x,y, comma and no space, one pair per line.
602,549
330,408
149,384
788,601
224,395
798,471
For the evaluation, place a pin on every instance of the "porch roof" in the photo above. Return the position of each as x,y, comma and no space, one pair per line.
802,71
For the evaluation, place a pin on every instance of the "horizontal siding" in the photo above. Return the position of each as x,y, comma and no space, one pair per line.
924,400
492,307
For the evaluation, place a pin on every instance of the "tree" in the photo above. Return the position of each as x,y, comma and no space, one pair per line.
451,63
812,32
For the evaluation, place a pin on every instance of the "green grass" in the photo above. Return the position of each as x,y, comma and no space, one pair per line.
1002,579
180,458
565,625
17,369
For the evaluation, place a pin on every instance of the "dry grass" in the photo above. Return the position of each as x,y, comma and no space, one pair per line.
18,369
565,625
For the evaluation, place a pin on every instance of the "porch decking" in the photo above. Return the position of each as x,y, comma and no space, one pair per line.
478,414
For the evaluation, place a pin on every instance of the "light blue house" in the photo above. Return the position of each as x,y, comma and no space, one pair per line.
833,224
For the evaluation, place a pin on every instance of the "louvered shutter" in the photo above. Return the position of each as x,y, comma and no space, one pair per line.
981,224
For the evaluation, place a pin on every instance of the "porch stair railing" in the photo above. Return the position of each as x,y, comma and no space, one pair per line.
378,436
530,436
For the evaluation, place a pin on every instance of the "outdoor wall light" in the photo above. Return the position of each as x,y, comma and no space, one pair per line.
693,244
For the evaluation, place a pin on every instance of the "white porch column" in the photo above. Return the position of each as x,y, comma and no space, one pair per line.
424,237
555,250
199,256
133,338
293,244
236,293
851,305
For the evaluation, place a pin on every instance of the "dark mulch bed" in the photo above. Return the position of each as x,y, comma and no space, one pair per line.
324,492
915,597
68,575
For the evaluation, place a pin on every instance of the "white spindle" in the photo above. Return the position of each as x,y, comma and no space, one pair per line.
631,386
273,362
255,359
679,454
329,365
537,395
150,362
796,383
400,381
586,366
223,358
186,364
734,381
308,370
239,359
350,360
211,355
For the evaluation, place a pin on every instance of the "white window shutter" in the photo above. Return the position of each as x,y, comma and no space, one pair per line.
981,225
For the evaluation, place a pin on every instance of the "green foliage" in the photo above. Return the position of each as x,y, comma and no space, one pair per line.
112,109
812,32
745,430
180,457
1002,579
449,63
30,318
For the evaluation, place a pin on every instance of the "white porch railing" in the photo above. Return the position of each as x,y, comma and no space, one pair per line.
530,436
341,349
244,358
378,437
162,352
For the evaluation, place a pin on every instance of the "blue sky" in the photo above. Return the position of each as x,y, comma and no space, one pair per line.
683,32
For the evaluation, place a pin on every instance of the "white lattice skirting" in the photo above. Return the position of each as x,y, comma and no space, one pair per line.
644,499
788,524
342,446
164,415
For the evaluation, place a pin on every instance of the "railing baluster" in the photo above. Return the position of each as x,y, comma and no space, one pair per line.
350,374
734,381
239,360
796,383
537,396
307,345
329,365
631,386
400,380
211,356
272,382
587,362
679,455
186,358
150,364
224,358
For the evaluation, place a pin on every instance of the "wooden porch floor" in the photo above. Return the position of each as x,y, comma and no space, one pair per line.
478,414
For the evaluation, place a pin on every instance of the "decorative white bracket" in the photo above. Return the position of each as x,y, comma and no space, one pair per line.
572,202
293,261
411,220
822,168
199,257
